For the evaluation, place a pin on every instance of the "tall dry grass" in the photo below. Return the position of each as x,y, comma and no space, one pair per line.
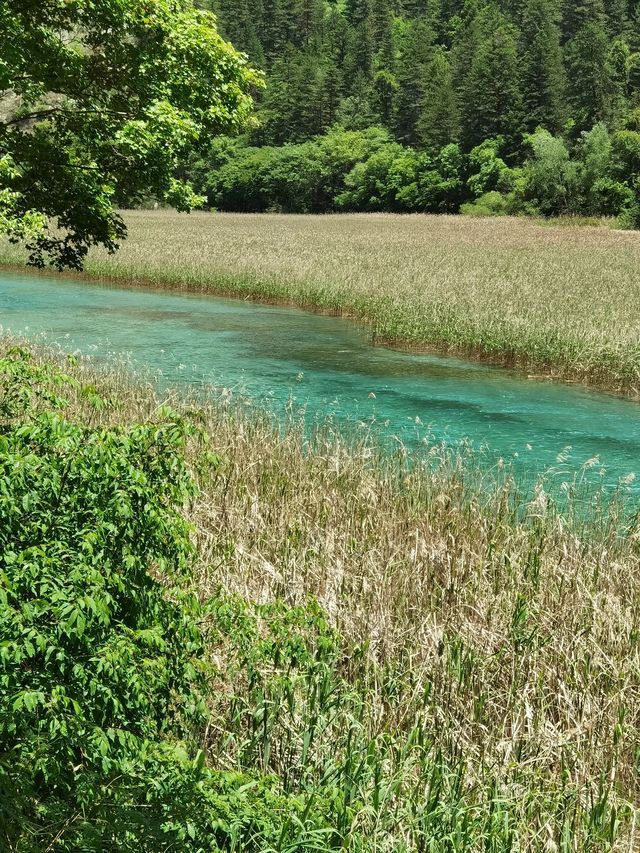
487,689
556,300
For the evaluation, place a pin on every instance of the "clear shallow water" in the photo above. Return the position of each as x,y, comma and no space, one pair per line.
285,357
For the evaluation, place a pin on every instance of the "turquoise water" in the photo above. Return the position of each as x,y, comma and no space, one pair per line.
289,359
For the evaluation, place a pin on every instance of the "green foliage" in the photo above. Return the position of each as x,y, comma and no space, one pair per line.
492,100
439,120
551,176
309,177
436,74
137,716
589,74
102,679
367,171
113,117
489,204
436,185
373,59
489,171
372,184
543,74
98,665
101,101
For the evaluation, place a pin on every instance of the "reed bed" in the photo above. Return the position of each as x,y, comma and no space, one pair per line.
555,300
468,677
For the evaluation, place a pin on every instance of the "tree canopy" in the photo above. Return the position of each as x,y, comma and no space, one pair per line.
99,100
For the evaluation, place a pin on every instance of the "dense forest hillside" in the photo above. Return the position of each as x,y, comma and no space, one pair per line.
462,94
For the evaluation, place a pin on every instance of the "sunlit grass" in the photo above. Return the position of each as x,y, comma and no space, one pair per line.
484,693
552,300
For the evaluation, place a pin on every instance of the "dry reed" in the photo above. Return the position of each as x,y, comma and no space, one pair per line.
554,300
484,633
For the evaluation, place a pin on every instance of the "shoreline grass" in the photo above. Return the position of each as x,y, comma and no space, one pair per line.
482,689
557,302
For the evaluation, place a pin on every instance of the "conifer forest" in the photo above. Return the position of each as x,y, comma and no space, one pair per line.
518,106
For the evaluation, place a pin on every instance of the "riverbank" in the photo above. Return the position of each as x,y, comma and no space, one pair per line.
469,676
553,301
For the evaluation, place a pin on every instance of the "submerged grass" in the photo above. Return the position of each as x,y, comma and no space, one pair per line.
563,302
469,676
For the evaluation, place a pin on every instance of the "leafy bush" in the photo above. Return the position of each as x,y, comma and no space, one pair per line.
489,204
102,680
365,170
489,171
552,177
371,185
437,185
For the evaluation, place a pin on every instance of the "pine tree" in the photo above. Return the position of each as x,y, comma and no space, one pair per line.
492,101
577,13
416,52
286,25
269,31
617,18
439,121
293,106
335,48
464,30
411,9
385,84
434,71
310,14
588,67
357,110
239,21
633,32
359,59
381,19
543,76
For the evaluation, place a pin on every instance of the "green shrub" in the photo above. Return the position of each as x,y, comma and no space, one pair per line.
551,175
489,204
102,680
489,171
370,185
437,185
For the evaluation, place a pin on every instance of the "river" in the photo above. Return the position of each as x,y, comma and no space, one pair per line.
288,359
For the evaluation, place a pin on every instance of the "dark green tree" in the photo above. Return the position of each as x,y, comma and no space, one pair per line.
491,96
293,106
543,76
617,17
577,13
588,69
382,35
310,15
415,53
335,47
240,22
359,59
439,121
357,110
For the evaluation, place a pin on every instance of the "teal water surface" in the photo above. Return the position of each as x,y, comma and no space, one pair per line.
327,366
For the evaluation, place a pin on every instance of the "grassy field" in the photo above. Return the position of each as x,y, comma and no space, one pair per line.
561,301
467,681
